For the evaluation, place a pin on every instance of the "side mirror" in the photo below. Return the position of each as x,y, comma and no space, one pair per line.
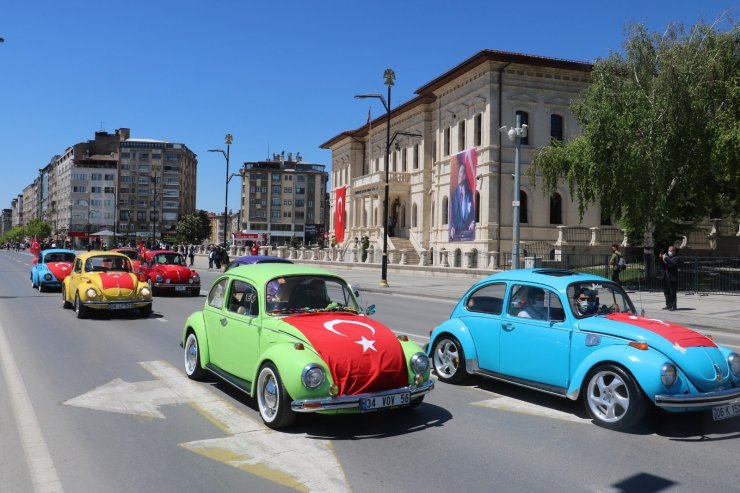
370,310
355,289
35,261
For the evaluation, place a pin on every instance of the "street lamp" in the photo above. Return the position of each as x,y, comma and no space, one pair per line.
228,140
390,76
516,134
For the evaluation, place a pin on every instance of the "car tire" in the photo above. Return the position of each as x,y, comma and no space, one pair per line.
80,309
613,398
65,303
273,400
195,292
41,287
193,369
448,359
146,311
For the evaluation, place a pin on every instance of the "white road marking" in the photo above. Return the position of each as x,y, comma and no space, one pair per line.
40,464
163,320
250,446
503,403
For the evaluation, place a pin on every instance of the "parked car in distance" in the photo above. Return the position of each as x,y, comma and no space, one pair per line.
579,336
104,281
295,338
256,259
135,256
166,270
51,267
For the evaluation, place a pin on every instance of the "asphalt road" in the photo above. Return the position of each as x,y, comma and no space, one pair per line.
145,427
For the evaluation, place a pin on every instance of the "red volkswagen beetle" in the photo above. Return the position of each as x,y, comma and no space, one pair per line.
166,270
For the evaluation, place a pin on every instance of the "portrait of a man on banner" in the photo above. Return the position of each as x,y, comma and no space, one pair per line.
462,196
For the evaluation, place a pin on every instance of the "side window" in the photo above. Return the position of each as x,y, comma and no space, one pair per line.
78,266
488,299
517,300
243,299
216,294
536,303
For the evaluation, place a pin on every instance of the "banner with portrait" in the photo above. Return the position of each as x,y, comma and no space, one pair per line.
339,214
461,212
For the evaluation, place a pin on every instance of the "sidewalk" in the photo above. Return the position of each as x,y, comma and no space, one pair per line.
719,312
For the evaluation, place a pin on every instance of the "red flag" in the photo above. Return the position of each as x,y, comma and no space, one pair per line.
339,215
676,334
142,249
362,354
35,248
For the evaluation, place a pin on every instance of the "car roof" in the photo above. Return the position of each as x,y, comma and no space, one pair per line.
156,252
99,253
58,250
256,259
261,273
559,279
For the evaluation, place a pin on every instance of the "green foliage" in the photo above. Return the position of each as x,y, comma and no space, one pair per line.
661,132
38,228
17,233
193,228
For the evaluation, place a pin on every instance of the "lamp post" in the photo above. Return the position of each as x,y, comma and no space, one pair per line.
516,134
228,140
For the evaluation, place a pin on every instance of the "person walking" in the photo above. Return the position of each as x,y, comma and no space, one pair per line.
191,254
217,255
614,262
211,255
670,261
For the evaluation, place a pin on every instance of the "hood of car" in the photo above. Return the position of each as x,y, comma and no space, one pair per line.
173,272
59,269
113,284
362,354
695,354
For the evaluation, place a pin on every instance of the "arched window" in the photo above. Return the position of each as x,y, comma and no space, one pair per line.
556,209
525,121
477,207
445,210
523,213
556,127
413,216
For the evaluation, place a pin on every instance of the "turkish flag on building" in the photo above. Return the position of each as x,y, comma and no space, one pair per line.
362,355
339,215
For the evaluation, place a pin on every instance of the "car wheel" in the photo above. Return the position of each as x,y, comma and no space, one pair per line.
195,292
65,303
448,359
272,399
80,309
146,311
192,358
612,397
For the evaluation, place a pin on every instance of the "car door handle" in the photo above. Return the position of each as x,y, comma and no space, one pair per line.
508,327
223,322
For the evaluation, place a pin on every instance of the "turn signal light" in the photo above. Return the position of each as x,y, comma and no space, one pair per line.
334,390
642,346
403,338
299,346
311,405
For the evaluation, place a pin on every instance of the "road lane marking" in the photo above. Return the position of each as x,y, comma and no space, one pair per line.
252,447
503,403
40,464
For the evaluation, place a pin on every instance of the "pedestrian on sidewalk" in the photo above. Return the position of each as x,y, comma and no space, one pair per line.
211,256
191,254
614,262
670,261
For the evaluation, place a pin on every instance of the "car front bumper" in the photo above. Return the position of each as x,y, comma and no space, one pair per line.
176,287
116,305
706,399
353,401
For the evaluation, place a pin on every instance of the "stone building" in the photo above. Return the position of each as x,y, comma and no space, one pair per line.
463,110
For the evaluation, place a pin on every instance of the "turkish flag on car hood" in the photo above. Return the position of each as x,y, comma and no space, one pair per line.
362,354
675,334
60,269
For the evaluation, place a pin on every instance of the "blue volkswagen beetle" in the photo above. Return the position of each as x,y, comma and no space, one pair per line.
257,259
579,336
51,267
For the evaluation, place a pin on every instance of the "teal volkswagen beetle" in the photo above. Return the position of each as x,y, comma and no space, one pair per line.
579,336
295,338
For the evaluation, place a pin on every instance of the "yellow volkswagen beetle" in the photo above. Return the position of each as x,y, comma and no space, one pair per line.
105,281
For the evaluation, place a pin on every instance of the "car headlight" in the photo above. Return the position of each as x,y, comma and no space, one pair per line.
668,374
312,376
158,278
734,361
47,277
419,363
146,292
196,277
91,293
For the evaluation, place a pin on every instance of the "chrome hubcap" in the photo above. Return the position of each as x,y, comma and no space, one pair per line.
268,395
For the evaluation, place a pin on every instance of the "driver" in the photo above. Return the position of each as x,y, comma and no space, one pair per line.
585,302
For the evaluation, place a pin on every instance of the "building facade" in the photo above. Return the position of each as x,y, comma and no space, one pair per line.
283,201
460,114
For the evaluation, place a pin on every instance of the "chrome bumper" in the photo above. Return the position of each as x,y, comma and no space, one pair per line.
107,304
698,400
353,401
160,285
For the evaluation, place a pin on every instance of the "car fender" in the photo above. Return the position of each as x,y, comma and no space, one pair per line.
460,331
290,363
410,348
196,322
643,365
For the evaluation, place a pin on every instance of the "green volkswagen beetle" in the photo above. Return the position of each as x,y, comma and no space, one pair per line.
295,338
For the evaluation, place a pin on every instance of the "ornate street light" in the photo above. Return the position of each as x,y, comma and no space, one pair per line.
228,140
516,134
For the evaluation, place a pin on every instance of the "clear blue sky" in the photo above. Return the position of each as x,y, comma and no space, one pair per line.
278,76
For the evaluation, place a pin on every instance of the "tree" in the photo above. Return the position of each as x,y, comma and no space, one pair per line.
661,133
38,228
193,228
15,234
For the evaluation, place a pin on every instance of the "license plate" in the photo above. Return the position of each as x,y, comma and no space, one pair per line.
121,306
726,411
179,288
391,400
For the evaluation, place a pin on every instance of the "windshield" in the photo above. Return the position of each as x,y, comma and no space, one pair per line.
169,259
308,293
132,254
59,257
598,298
106,264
